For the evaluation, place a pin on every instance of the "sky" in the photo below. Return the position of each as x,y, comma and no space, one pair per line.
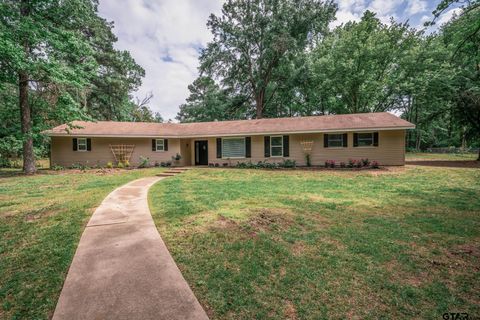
165,36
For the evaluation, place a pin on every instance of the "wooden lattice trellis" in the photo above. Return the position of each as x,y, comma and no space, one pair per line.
122,152
307,145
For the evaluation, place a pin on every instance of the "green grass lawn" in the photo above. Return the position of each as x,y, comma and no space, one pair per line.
41,220
317,245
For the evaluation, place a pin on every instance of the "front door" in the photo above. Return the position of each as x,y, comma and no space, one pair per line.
201,153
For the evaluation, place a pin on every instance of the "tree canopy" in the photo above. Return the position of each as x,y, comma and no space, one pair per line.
272,60
58,64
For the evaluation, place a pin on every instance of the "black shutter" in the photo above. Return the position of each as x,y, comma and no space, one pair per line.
165,144
325,140
89,144
345,140
266,144
154,145
219,148
74,144
286,146
375,139
355,139
248,147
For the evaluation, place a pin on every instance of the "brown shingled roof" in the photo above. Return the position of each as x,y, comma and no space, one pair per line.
330,123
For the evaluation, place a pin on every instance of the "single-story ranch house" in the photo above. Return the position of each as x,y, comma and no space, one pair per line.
376,136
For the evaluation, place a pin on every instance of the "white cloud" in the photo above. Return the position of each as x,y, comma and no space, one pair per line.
416,6
163,37
444,18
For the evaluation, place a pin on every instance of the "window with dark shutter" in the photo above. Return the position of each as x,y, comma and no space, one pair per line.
266,144
248,147
154,145
345,140
165,144
89,144
375,139
286,146
74,140
336,140
325,140
355,139
219,148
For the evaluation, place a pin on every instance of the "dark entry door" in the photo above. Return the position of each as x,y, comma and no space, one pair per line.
201,153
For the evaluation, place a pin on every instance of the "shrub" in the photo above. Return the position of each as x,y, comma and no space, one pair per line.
56,167
168,163
109,165
330,164
79,166
358,164
308,159
375,165
5,163
157,164
351,163
365,162
177,157
217,165
126,163
287,163
211,165
120,165
343,165
225,164
143,162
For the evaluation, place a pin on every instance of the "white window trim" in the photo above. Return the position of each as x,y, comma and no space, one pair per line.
84,143
156,145
244,151
281,145
369,146
336,147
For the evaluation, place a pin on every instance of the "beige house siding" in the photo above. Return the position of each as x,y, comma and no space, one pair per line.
62,151
390,151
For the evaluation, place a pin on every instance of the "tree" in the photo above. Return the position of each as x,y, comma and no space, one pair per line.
254,38
462,37
58,64
357,67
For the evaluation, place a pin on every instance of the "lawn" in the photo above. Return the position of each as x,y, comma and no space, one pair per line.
315,245
41,220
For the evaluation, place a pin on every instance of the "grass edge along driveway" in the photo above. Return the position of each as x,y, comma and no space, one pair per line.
318,245
41,220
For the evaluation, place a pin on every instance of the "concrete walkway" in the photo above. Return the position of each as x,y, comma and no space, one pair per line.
122,269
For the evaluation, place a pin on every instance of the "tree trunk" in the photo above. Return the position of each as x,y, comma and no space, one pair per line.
25,112
28,156
259,104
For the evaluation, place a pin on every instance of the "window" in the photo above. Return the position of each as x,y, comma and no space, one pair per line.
82,144
160,145
365,139
276,146
233,148
335,140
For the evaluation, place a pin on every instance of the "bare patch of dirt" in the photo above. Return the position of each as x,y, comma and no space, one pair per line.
289,310
467,249
41,213
266,219
445,163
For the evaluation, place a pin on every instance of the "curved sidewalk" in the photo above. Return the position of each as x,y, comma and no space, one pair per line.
122,268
